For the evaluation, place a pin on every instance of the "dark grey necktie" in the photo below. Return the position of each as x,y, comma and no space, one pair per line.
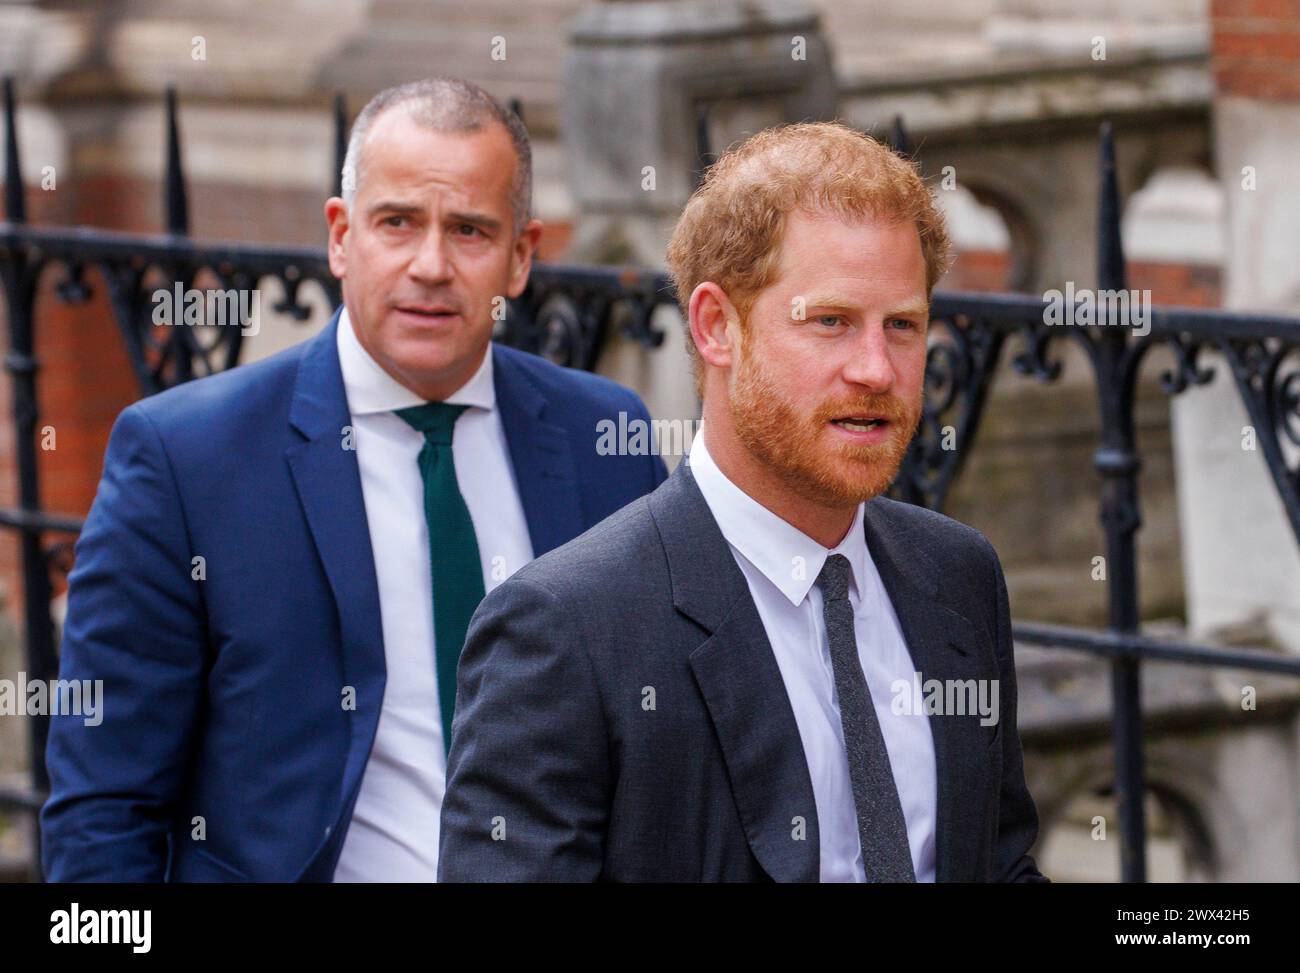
881,826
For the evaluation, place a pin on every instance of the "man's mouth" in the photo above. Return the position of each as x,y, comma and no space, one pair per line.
860,423
434,312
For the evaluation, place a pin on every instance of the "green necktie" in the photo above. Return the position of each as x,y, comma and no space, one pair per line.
453,549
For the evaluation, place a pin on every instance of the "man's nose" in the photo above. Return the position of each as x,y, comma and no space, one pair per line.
869,363
431,263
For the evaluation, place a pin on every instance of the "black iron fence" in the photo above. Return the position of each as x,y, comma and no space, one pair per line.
568,313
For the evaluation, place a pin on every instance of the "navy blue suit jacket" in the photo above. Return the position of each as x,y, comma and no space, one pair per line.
223,698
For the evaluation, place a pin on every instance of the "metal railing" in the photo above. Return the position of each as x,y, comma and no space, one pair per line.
568,313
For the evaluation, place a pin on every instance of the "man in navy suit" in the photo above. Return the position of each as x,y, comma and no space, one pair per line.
276,576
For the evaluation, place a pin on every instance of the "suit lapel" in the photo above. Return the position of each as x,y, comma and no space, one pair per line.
541,455
328,481
741,684
942,644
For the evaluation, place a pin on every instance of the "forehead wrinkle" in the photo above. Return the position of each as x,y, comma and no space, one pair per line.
404,167
444,198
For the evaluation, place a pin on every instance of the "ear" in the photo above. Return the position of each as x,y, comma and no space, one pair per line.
715,324
336,218
521,257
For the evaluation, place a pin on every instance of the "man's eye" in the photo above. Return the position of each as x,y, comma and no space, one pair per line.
904,324
395,221
470,227
828,319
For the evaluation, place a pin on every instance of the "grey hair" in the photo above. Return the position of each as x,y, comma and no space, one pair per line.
446,105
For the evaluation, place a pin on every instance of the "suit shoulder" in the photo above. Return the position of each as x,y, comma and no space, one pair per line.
245,391
938,528
572,386
602,559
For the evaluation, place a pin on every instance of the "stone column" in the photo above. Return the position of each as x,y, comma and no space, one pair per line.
1241,557
636,74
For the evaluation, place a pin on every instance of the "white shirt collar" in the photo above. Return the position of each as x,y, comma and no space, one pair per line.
370,389
771,544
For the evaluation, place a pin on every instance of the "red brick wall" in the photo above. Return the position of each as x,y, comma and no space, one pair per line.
85,378
83,381
1185,285
1255,48
979,270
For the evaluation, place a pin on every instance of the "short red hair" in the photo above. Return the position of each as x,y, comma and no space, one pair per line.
731,229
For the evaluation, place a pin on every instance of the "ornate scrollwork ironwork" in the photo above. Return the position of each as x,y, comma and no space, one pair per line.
960,362
1033,360
1267,373
567,314
1187,371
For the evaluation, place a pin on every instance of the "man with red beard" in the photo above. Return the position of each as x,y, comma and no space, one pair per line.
720,682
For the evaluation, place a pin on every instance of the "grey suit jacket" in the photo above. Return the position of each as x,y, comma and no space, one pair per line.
620,715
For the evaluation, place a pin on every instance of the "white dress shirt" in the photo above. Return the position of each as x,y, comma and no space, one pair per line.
781,565
393,836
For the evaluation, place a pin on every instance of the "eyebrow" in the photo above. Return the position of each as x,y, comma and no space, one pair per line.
391,206
838,304
413,209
